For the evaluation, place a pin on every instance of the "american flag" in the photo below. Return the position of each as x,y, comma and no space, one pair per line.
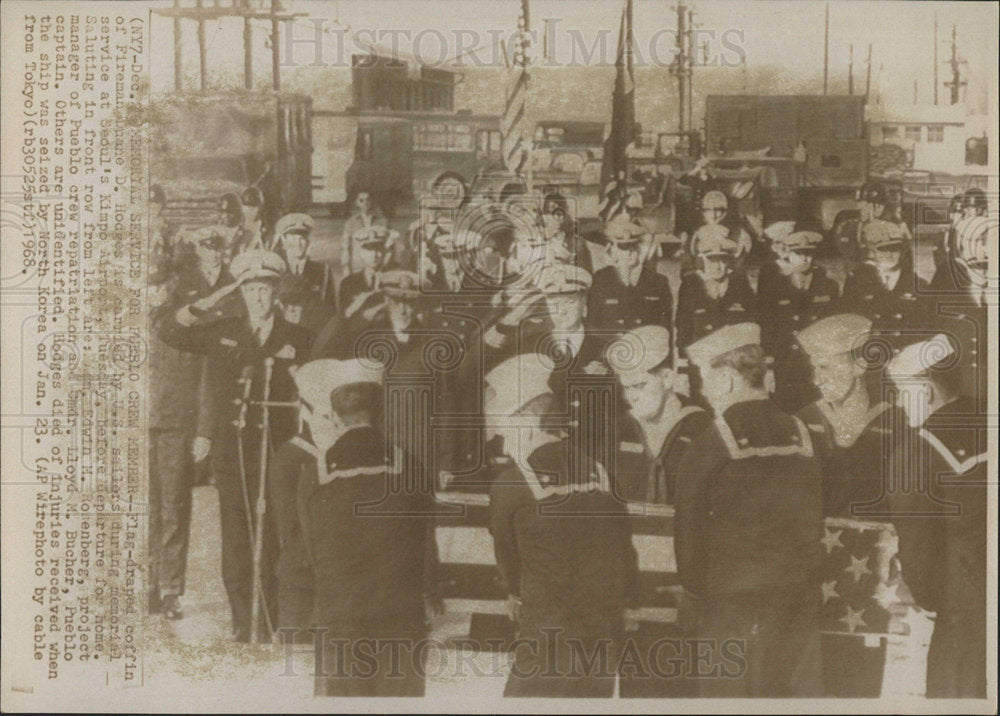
861,583
514,125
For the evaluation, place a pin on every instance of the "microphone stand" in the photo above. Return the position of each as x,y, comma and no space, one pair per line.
241,422
258,545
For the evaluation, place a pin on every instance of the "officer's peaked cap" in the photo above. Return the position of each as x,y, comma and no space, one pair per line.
257,264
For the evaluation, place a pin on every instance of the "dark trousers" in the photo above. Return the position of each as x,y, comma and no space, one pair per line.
237,546
956,660
170,482
551,661
759,645
366,662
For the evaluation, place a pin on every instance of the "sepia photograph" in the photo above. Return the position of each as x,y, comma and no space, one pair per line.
638,353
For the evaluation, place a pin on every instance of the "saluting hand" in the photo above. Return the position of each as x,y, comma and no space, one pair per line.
209,301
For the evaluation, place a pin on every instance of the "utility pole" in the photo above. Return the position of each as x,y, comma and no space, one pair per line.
935,61
956,77
178,58
202,51
202,12
826,48
275,50
690,71
868,73
247,51
850,71
680,66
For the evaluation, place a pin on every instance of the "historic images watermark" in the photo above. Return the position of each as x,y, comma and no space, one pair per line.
319,42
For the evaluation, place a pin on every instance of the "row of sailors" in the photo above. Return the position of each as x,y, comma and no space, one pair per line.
751,487
847,414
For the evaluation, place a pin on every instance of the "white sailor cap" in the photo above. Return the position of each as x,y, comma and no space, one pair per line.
257,264
728,338
638,351
918,358
293,224
833,335
564,279
516,382
315,381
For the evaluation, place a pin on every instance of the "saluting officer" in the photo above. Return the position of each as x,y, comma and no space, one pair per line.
562,542
748,523
300,460
852,427
715,295
660,424
938,495
367,515
237,349
798,294
872,200
370,247
885,288
293,233
630,292
181,413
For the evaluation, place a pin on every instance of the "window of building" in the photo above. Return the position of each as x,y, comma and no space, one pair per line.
935,133
890,132
913,132
442,137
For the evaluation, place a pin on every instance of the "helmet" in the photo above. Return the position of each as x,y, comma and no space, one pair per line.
974,198
873,193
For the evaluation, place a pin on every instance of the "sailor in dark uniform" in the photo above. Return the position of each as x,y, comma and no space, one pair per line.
304,275
748,523
241,351
852,427
938,494
357,288
297,461
795,296
367,517
630,292
659,424
562,543
715,295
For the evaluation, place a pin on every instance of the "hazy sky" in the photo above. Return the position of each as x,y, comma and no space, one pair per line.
777,32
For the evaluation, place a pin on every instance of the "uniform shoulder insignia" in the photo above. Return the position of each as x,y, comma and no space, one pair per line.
229,342
821,299
784,302
652,298
736,307
611,301
630,447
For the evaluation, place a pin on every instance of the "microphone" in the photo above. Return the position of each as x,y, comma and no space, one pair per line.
246,380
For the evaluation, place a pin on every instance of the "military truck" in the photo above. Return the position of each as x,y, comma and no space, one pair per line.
825,135
206,150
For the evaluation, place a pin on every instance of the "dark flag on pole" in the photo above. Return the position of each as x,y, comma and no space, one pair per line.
613,170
